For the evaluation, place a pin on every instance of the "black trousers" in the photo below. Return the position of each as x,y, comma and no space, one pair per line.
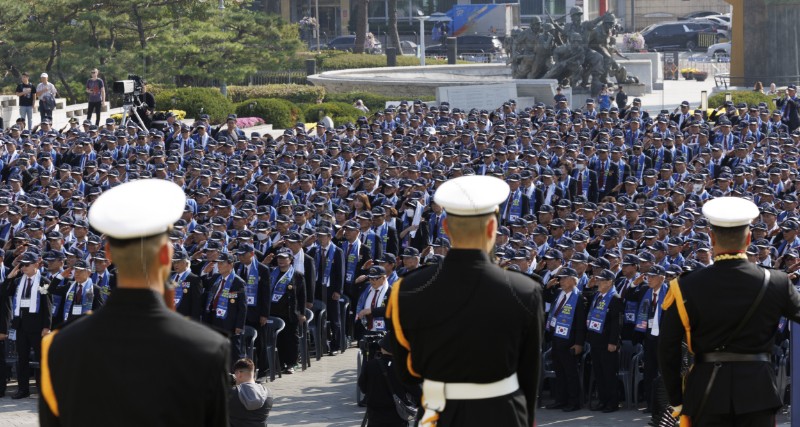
287,342
650,366
605,365
764,418
4,368
237,348
25,342
94,107
565,365
334,320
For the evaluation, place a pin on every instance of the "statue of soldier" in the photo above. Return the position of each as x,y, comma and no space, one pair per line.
600,43
522,58
568,59
542,59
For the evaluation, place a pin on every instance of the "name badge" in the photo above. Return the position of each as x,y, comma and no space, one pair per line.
378,324
12,334
553,321
251,300
276,297
77,310
25,303
650,323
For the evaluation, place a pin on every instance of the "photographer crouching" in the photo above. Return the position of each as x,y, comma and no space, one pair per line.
249,403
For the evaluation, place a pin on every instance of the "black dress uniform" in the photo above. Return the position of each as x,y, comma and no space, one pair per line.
226,311
604,316
188,294
28,321
288,300
153,361
748,388
329,264
70,310
135,362
472,305
5,322
256,277
566,329
705,308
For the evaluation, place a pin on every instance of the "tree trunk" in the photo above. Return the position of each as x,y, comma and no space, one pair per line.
361,26
394,36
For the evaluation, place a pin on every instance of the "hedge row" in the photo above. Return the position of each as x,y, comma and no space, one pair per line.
290,92
282,114
196,101
344,61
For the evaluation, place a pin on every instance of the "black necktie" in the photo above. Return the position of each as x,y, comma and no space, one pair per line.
27,292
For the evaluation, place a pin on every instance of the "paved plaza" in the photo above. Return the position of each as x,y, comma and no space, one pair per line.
324,396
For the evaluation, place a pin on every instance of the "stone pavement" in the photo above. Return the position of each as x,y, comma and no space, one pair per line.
324,396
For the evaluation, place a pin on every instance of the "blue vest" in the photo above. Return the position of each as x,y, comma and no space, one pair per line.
643,312
596,320
560,324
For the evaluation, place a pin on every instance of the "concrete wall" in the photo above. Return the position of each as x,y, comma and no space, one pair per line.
771,43
9,111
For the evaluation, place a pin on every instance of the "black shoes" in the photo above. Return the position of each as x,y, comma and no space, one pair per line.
600,407
555,406
21,395
572,408
611,409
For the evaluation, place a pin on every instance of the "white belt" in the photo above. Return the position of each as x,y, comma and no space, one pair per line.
436,394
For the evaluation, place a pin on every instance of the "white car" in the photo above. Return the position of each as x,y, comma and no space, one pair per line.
720,51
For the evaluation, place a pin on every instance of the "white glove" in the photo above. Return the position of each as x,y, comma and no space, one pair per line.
676,411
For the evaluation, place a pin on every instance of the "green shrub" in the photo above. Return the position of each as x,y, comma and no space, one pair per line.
289,92
340,112
373,101
747,96
196,101
344,61
281,114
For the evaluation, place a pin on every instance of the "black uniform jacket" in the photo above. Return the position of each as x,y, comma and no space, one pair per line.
716,299
135,363
475,306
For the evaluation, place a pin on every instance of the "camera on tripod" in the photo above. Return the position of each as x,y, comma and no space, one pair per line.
130,89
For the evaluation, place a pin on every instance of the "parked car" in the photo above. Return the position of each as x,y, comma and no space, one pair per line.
408,47
675,35
470,45
348,43
697,15
719,51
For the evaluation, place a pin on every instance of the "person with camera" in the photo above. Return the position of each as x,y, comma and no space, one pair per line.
46,93
378,381
249,403
147,107
789,105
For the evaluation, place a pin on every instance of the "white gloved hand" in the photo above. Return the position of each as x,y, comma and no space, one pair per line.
676,411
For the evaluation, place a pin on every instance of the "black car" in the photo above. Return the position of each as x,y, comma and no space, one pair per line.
676,35
348,43
469,45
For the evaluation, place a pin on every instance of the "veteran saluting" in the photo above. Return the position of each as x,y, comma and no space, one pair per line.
728,314
134,362
469,304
